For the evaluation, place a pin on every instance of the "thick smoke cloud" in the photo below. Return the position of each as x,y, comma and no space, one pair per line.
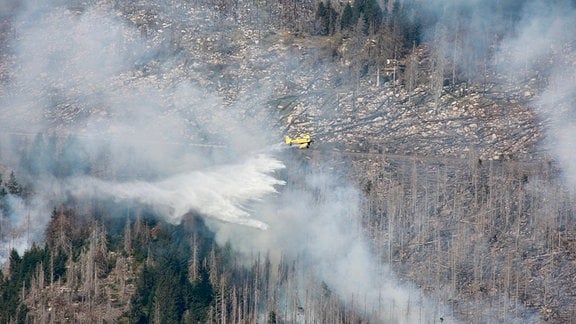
544,44
118,111
524,42
130,105
92,76
539,46
318,224
530,47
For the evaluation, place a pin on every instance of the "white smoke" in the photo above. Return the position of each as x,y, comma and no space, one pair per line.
21,223
91,75
557,107
319,225
535,41
541,46
91,57
548,33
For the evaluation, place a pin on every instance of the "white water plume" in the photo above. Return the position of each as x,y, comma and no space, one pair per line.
221,193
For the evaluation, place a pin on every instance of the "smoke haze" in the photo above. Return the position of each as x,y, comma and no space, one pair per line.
177,146
545,42
324,234
97,91
529,44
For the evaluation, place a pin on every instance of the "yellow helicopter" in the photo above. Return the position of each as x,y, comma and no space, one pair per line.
303,140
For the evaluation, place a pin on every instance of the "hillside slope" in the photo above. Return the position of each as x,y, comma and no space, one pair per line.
460,193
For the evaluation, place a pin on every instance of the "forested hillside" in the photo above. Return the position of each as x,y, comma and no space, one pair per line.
143,175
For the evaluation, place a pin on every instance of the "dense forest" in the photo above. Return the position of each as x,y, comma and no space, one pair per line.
89,224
